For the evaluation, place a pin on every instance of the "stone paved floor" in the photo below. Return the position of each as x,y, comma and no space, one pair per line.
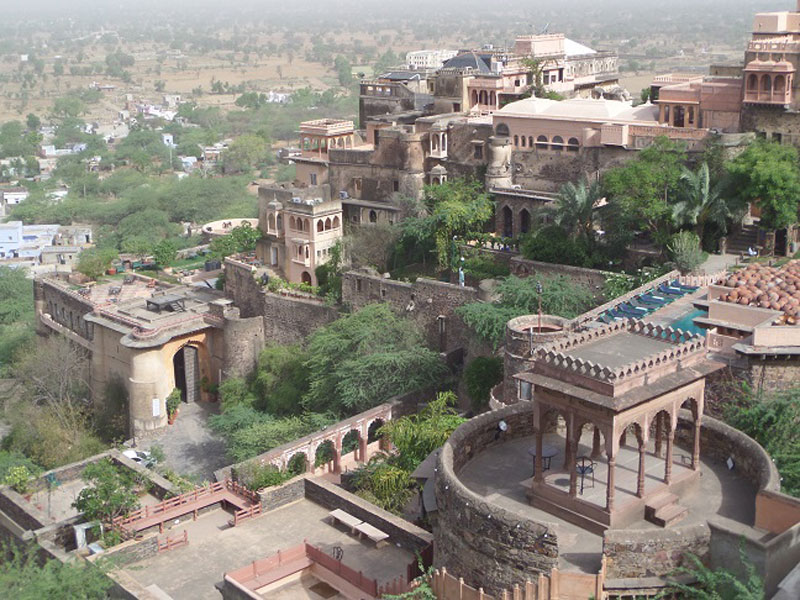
214,548
190,447
499,474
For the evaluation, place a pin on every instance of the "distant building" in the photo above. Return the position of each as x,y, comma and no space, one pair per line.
428,59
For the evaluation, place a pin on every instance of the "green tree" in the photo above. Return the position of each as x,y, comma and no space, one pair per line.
94,262
766,173
700,202
68,106
245,153
719,584
480,376
519,296
111,492
574,209
281,379
386,61
684,249
363,359
644,187
32,122
344,71
23,576
554,245
164,253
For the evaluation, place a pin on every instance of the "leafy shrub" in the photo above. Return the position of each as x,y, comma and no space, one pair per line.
685,250
553,244
111,492
255,476
482,266
173,401
280,380
19,478
480,376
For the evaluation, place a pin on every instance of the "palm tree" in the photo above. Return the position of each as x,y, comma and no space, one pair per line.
700,202
574,208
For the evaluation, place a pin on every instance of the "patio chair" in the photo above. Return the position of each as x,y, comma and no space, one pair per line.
585,466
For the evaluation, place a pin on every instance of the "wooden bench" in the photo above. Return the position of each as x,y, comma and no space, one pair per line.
373,533
345,519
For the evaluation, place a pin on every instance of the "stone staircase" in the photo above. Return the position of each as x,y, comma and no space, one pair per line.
746,238
664,510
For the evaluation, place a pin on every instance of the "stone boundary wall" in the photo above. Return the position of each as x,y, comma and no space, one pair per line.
648,553
400,531
133,550
281,495
591,278
423,302
482,542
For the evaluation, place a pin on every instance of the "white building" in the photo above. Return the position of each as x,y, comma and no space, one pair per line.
428,59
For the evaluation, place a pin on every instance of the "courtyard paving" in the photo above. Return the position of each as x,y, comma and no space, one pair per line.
500,474
215,548
190,447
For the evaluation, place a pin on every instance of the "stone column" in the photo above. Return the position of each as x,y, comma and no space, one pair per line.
337,455
612,464
696,447
668,459
537,460
362,448
640,480
659,433
596,443
573,467
660,113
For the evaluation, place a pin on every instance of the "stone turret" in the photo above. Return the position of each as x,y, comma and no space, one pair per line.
498,172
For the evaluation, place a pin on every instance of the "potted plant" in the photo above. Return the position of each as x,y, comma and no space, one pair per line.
173,402
19,478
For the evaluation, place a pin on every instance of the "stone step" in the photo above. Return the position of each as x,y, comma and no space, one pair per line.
667,515
661,500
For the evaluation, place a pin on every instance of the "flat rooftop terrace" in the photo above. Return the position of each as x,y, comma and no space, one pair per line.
215,548
619,350
502,473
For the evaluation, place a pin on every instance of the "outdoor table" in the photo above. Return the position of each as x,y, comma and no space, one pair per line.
548,452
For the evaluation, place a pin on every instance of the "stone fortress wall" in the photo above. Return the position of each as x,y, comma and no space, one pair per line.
489,546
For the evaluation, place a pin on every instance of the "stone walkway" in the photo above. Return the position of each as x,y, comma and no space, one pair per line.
717,262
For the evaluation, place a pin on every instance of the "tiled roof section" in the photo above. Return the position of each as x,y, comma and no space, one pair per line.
776,288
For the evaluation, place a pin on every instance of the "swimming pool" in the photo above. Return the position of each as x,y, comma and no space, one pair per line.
686,322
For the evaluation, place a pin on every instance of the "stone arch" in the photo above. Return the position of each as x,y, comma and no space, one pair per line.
307,225
307,253
530,141
557,143
516,140
779,85
474,97
541,142
271,221
320,226
373,216
372,430
336,223
324,453
502,130
766,83
279,222
297,463
291,223
523,142
692,406
573,144
351,442
305,277
327,224
524,221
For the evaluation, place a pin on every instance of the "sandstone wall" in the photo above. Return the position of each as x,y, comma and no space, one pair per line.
774,374
653,553
591,278
481,542
423,301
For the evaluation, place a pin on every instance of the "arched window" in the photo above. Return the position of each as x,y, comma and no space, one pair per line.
573,144
291,223
307,225
524,221
373,216
307,252
558,143
508,222
327,224
319,226
474,97
780,84
502,130
306,277
516,140
271,222
336,222
280,222
530,141
766,83
752,82
523,141
541,142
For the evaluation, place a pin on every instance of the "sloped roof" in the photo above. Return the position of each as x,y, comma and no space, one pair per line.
468,60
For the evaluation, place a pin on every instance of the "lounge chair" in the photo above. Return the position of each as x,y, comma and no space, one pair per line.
671,291
659,300
629,313
680,286
643,310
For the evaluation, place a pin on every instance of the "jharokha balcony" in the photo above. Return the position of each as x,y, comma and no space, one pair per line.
769,82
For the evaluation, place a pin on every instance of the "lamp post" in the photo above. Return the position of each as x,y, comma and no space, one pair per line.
539,291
